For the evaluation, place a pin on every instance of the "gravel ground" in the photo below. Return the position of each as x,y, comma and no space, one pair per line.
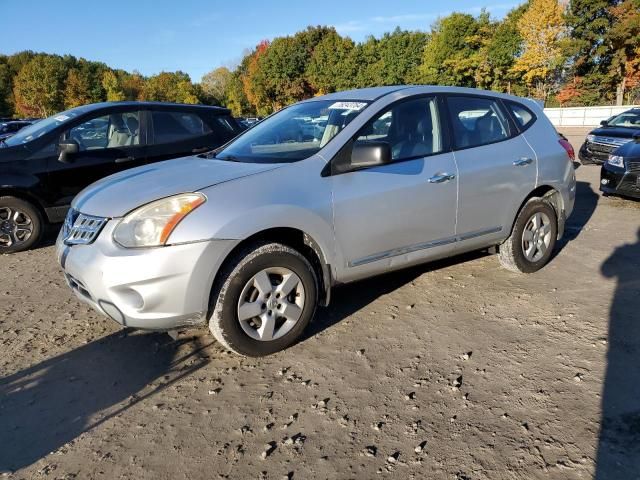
455,370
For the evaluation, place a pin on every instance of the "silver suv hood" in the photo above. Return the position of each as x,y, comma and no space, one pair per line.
118,194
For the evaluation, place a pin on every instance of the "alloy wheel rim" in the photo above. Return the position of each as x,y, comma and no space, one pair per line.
271,303
16,227
536,237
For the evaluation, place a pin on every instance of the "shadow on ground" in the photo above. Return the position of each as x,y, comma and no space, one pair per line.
586,203
45,406
348,299
619,444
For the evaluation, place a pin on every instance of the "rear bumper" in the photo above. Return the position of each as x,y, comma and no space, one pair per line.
619,182
150,288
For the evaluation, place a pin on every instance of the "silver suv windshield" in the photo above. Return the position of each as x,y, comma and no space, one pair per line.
42,127
294,133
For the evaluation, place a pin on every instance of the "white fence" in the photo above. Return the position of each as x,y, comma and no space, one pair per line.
583,116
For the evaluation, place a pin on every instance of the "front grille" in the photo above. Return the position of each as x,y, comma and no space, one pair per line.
634,167
81,229
611,142
629,184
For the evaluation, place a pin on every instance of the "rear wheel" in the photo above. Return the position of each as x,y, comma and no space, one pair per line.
20,225
533,238
264,299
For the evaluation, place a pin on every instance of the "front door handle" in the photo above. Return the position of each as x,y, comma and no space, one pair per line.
125,159
522,161
200,150
442,177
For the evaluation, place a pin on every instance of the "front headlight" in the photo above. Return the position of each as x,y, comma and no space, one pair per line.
591,138
616,161
152,224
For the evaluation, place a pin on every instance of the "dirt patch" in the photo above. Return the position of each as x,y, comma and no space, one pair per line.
457,370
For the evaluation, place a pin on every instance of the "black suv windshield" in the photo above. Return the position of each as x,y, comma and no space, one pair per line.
626,119
294,133
42,127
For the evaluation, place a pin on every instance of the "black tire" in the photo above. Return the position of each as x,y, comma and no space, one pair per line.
234,276
511,252
27,212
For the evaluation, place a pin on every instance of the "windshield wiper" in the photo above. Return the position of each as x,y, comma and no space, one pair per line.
230,158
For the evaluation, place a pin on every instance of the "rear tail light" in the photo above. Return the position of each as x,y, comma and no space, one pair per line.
569,149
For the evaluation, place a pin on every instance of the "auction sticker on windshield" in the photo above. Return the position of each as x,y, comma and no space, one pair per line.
348,106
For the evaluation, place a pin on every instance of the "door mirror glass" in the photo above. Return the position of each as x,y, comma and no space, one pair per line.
67,149
370,154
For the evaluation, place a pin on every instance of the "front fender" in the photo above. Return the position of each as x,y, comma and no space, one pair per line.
295,196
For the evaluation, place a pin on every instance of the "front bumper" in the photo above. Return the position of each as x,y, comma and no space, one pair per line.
595,153
619,181
150,288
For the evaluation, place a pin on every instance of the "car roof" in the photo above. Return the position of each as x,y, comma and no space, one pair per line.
138,104
374,93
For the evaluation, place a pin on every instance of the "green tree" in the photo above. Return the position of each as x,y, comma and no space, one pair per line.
112,87
624,40
38,87
170,87
366,57
235,97
589,21
330,67
6,94
504,46
453,41
400,56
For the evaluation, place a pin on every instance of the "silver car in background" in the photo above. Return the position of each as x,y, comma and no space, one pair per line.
253,236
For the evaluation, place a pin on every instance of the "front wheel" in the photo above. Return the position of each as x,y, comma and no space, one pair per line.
264,299
533,238
21,225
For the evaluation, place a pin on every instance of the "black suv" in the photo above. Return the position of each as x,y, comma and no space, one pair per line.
43,166
612,133
620,174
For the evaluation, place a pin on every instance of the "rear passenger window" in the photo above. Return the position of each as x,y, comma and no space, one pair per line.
169,127
521,114
476,121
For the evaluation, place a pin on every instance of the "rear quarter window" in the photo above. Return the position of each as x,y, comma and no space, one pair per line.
523,117
224,127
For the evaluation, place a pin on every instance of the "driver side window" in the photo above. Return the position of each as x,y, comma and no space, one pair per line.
115,130
411,128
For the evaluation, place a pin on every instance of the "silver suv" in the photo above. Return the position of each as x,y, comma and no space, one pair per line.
252,237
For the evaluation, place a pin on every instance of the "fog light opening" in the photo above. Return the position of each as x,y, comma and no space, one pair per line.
604,181
131,298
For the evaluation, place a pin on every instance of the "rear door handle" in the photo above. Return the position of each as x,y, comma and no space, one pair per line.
522,161
200,150
441,177
125,159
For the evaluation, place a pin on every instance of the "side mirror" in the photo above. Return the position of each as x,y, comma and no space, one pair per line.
67,149
370,154
604,123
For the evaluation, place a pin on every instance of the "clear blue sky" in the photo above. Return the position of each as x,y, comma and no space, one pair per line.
196,36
